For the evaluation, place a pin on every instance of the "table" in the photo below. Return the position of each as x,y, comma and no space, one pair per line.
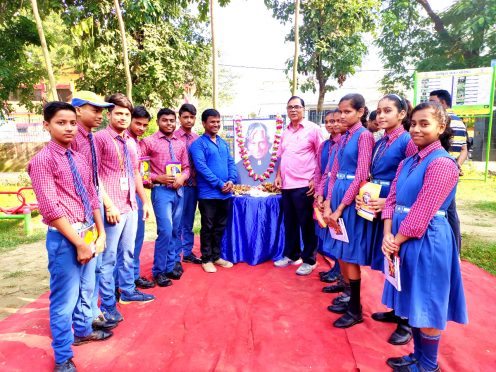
254,231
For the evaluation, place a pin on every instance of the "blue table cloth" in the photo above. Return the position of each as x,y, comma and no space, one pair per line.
254,231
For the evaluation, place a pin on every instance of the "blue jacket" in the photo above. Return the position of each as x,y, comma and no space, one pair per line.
214,167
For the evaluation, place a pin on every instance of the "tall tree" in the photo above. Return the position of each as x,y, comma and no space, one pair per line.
125,57
414,36
331,42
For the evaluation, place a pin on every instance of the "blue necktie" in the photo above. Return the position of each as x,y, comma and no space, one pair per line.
171,150
80,189
93,160
414,164
381,149
129,167
342,143
190,179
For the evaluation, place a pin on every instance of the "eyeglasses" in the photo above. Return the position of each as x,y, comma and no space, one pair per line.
295,107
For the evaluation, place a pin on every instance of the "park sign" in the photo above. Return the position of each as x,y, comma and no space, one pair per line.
471,89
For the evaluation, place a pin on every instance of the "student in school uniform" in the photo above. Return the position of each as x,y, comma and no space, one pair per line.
68,202
349,170
140,118
187,118
89,109
392,115
164,148
119,173
325,159
417,230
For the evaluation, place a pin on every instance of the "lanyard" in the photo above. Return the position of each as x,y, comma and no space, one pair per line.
119,155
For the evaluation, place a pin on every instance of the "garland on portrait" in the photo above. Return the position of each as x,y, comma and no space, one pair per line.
238,128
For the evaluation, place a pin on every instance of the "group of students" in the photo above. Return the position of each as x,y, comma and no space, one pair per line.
90,191
418,179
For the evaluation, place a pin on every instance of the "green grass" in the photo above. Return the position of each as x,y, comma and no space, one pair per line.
485,206
480,252
14,274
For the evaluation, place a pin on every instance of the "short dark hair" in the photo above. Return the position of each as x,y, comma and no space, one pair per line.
119,99
187,107
373,115
442,94
51,108
140,112
165,111
294,97
442,117
209,112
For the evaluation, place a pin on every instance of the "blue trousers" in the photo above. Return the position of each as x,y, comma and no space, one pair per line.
98,266
120,251
66,275
140,237
167,205
188,219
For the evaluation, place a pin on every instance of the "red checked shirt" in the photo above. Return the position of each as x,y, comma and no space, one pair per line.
320,179
157,148
366,144
112,167
188,139
53,184
133,143
411,148
81,144
440,177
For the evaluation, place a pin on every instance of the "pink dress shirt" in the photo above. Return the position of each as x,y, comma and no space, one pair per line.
157,148
109,168
188,139
440,178
134,143
320,177
81,144
366,144
53,184
298,154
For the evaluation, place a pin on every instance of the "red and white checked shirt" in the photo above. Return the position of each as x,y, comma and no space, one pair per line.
366,144
411,148
157,148
53,184
81,144
188,139
134,143
109,168
440,177
319,180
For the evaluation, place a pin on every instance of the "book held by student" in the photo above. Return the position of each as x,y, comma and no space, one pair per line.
368,191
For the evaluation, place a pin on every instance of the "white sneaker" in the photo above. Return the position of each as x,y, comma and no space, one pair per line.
223,263
286,261
209,267
305,269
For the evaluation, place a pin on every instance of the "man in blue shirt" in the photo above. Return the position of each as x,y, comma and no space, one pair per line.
216,174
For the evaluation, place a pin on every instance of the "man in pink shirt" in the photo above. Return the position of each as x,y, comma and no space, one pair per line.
297,162
119,173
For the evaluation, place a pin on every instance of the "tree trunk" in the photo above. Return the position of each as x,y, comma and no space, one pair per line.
296,48
129,82
46,53
214,56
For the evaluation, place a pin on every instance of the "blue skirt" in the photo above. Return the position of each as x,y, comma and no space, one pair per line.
431,282
375,234
357,251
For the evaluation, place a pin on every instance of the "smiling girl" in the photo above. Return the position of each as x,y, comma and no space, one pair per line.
416,229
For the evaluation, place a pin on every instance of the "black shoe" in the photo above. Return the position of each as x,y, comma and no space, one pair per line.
178,268
174,275
192,259
162,280
401,361
414,367
336,288
324,273
144,283
101,323
341,299
98,335
348,320
67,366
401,336
329,278
339,308
386,317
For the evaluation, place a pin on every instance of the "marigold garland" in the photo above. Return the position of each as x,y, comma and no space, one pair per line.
238,128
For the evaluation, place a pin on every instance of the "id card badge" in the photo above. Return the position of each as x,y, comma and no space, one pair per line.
124,182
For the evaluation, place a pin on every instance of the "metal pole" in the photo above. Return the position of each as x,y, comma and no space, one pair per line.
490,129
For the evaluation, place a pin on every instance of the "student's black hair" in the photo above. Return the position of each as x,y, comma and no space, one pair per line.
187,107
119,99
51,108
165,111
296,97
209,112
442,94
373,115
401,105
441,117
140,112
357,102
